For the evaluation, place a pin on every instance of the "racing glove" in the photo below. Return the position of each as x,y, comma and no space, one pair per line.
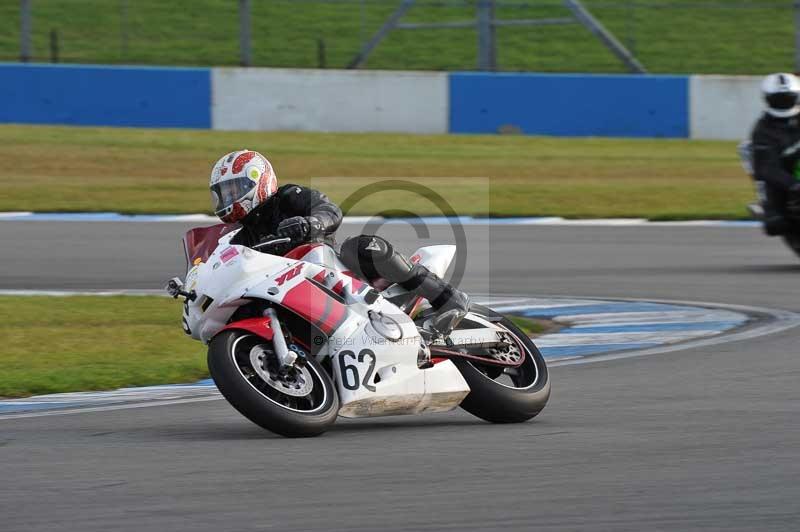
299,228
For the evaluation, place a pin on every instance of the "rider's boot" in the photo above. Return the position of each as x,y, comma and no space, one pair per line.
775,223
449,303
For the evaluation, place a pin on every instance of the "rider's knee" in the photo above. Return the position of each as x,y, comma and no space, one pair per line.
374,257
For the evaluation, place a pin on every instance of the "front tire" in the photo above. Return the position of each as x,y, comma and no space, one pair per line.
299,404
520,400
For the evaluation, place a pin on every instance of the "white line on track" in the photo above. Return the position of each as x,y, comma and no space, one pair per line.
123,406
69,293
778,321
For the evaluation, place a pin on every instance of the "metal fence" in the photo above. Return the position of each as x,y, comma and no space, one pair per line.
678,36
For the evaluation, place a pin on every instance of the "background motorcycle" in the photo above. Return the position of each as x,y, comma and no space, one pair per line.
295,340
792,235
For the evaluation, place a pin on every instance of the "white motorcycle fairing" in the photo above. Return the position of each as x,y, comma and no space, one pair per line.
372,345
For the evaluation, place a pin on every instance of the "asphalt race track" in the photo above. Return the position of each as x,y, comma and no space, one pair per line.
696,439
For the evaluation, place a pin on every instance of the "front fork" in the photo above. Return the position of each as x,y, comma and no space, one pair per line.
286,356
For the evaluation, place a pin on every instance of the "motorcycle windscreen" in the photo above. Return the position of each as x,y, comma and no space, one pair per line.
199,243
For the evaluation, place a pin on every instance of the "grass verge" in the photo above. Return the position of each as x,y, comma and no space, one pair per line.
45,168
63,344
82,343
533,327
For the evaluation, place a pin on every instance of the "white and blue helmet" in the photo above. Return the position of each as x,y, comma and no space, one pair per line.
781,94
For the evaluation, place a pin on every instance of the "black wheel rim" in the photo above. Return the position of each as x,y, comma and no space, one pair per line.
524,376
307,403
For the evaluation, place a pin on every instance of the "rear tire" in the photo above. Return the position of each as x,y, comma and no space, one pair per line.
496,402
289,414
793,241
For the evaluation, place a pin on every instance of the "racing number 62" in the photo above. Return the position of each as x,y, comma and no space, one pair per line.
348,370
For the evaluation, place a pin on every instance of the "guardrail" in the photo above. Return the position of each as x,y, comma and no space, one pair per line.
702,107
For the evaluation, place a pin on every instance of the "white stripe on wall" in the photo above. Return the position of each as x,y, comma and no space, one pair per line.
267,99
723,107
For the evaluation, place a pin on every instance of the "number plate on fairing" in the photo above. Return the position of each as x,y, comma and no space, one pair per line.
380,377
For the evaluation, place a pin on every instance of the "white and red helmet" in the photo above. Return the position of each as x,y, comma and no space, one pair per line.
240,181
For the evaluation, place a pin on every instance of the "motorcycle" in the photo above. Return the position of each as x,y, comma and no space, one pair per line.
295,340
791,237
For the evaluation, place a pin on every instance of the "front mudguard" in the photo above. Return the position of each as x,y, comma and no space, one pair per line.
259,326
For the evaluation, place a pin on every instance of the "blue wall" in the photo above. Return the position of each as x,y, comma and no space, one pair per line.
105,96
570,105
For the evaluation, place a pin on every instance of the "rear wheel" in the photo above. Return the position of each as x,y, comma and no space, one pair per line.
296,403
506,394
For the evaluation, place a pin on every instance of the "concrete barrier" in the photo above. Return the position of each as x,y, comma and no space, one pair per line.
329,100
724,107
262,99
105,96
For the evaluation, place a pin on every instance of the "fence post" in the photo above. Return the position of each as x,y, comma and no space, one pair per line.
606,37
361,58
487,57
797,36
25,53
322,60
123,27
245,46
53,46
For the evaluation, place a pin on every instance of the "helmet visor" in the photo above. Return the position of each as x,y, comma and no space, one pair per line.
782,101
226,193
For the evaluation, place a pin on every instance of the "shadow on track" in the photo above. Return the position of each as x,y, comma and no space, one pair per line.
765,268
234,430
367,426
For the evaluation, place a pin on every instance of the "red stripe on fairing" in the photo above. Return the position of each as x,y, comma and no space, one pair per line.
320,277
301,251
339,287
313,304
357,285
349,273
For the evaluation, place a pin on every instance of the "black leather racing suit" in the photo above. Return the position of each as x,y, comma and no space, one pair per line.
776,162
290,201
370,257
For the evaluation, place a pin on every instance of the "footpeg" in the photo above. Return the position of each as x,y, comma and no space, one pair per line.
445,322
424,356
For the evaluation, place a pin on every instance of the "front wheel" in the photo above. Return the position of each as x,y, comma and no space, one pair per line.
299,402
506,395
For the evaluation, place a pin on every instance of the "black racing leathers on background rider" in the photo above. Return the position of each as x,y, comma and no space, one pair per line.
776,154
290,201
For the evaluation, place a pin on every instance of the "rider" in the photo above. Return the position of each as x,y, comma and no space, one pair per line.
776,151
244,190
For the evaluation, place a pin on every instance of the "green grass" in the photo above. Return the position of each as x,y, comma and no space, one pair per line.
533,327
61,344
81,343
673,36
166,171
